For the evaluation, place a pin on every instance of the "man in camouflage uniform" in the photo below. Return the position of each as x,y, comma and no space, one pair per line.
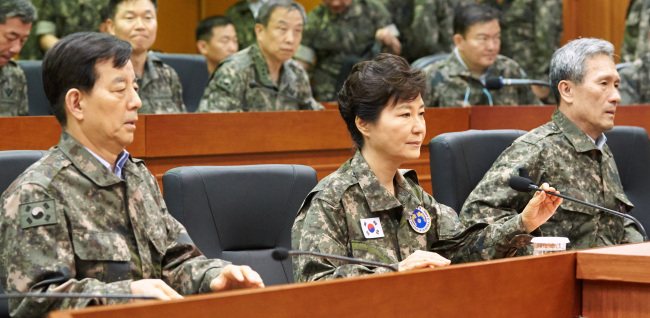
216,39
16,17
341,33
160,88
569,152
243,15
531,31
635,82
58,18
636,40
459,80
89,218
263,77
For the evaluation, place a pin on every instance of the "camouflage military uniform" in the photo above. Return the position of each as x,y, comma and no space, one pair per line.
160,88
637,30
63,17
13,91
334,36
71,225
562,155
31,50
635,82
229,90
449,80
330,221
530,32
244,21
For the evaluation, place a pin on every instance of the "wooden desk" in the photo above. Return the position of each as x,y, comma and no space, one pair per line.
615,281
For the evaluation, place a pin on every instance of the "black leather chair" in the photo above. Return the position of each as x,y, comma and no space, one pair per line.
192,70
631,149
240,213
459,160
38,103
12,164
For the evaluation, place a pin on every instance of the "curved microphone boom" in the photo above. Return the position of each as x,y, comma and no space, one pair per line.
280,254
522,184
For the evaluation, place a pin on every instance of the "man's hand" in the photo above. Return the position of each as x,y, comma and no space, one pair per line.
422,259
540,208
389,40
154,287
236,277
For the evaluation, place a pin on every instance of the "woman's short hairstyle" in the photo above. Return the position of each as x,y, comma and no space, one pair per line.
372,85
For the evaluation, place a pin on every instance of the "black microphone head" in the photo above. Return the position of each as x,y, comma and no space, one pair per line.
252,84
280,254
493,82
520,184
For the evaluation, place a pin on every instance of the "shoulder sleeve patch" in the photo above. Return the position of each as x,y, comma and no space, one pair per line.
37,214
226,83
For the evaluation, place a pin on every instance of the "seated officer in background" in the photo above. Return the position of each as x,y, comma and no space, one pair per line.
635,82
243,15
89,218
263,77
569,152
135,21
216,39
340,33
459,80
16,17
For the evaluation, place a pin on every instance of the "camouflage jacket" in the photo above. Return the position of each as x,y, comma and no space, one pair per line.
244,21
331,221
160,88
333,37
448,82
71,225
637,30
229,91
63,17
530,32
13,91
635,82
562,155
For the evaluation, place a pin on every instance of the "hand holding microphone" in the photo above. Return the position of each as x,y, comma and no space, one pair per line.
522,184
540,208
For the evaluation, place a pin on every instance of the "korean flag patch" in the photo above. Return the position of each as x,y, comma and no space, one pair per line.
372,228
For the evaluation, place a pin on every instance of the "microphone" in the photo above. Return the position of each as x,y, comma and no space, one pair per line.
75,295
494,82
522,184
280,254
253,84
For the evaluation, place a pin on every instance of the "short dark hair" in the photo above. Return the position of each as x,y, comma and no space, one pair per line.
22,9
204,28
466,16
370,87
70,63
264,15
112,8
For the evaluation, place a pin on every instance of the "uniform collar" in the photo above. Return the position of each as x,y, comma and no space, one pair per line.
578,138
150,73
378,197
86,163
460,67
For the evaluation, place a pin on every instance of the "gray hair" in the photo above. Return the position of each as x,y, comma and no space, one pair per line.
264,15
22,9
569,62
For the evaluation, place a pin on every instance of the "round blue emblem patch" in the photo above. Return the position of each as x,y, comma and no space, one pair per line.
420,220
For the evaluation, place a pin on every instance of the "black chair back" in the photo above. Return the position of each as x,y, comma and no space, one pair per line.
459,160
38,103
12,164
192,70
240,213
631,149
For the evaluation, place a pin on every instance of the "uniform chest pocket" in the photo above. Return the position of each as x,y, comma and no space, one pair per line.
100,246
